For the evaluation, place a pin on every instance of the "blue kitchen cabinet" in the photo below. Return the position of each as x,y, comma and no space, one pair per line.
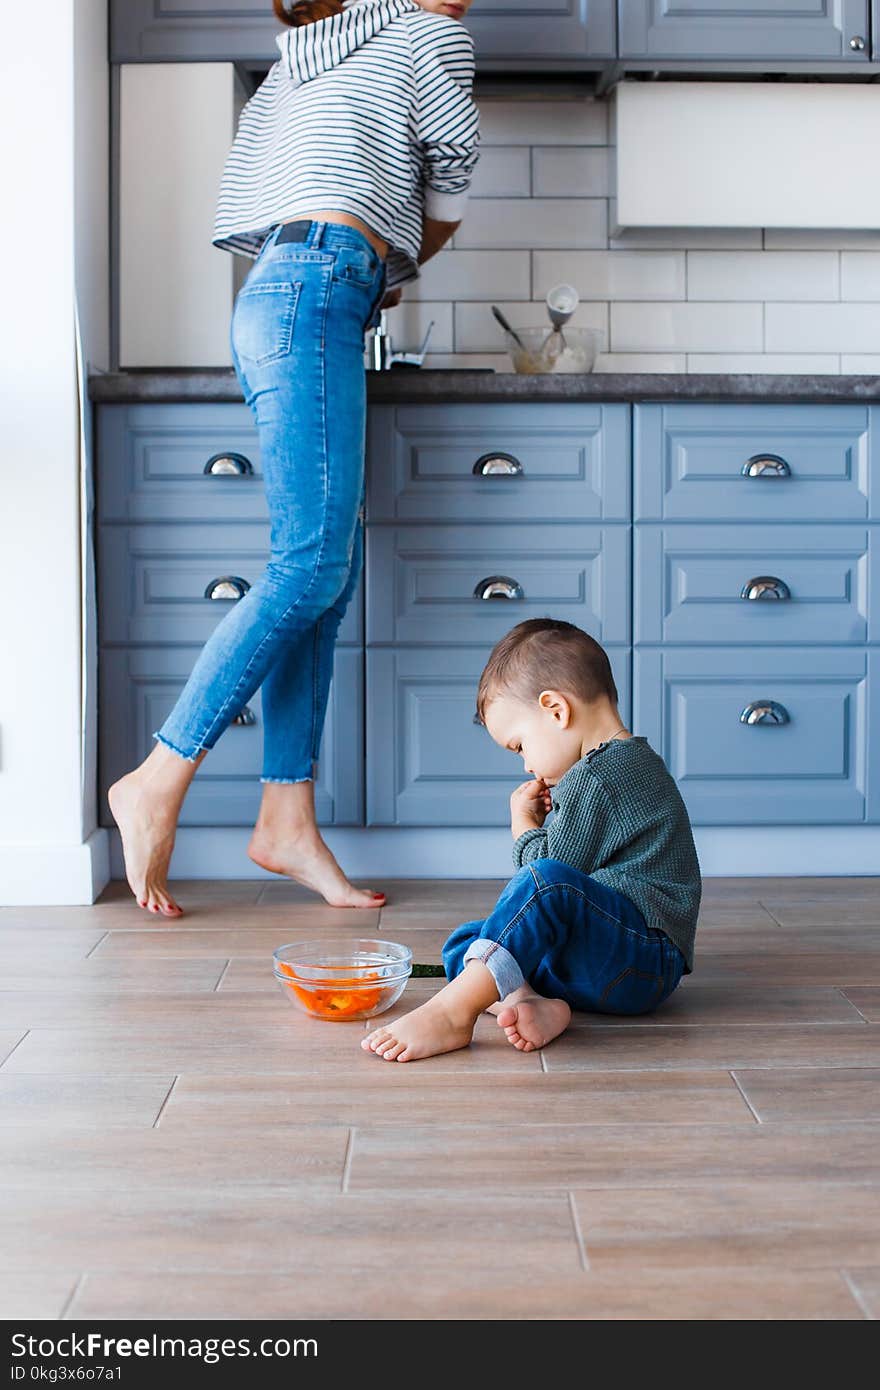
161,583
756,737
781,463
137,689
756,604
739,29
506,33
470,584
567,461
756,584
182,533
173,462
428,761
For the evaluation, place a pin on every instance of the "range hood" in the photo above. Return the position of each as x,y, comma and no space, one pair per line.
745,154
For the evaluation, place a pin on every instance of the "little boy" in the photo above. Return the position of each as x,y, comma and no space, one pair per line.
602,911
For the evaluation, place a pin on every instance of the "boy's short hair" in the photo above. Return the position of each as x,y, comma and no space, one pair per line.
544,654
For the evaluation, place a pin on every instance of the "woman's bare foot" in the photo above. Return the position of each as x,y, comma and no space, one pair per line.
147,823
302,855
533,1022
443,1024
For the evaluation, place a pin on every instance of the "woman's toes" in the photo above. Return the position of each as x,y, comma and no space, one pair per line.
507,1018
386,1045
392,1053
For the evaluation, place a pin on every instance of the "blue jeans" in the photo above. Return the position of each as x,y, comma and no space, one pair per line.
569,938
297,339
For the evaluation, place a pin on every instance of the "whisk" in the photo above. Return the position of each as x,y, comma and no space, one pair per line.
562,301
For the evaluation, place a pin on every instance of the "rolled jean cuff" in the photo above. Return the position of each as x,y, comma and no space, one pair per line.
190,757
500,964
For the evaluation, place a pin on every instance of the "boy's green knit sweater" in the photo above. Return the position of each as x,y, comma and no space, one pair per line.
619,817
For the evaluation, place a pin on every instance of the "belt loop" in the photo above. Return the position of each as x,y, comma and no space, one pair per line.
318,229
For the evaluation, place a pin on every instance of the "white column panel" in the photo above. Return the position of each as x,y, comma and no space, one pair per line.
176,290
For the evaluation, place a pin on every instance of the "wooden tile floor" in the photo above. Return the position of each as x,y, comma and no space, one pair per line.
177,1141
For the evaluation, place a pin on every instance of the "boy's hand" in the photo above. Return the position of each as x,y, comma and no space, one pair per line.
530,804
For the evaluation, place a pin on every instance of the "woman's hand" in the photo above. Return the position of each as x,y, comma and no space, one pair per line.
391,298
530,805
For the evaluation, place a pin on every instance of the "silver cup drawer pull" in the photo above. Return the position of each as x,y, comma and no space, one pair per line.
765,586
498,462
245,719
766,466
227,586
498,586
229,463
764,712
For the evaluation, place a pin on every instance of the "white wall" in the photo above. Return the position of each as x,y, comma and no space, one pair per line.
54,176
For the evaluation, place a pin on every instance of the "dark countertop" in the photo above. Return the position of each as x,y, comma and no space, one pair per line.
401,385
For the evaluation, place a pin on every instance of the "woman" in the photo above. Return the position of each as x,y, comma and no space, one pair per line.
349,169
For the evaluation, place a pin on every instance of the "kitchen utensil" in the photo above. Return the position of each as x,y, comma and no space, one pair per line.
342,978
506,326
561,302
529,356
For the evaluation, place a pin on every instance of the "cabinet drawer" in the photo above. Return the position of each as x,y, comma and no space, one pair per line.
426,583
152,460
428,763
569,460
137,690
811,769
152,580
690,581
820,462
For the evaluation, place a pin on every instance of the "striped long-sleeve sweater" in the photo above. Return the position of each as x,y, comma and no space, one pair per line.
368,112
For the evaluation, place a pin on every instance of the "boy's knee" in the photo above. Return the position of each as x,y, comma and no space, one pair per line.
549,870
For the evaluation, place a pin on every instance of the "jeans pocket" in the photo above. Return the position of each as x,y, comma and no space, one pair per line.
356,266
632,992
263,319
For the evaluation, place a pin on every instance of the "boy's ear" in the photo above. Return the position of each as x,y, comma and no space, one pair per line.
555,703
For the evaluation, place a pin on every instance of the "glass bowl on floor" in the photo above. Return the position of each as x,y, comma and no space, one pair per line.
342,978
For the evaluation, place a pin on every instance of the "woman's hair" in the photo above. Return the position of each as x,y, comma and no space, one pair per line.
306,11
545,654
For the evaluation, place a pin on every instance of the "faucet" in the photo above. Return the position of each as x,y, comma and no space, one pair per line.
382,357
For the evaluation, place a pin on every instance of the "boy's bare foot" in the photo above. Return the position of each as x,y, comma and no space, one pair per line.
534,1022
443,1024
426,1032
303,856
147,822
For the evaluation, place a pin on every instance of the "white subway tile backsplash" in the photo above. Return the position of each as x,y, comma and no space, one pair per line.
504,172
477,331
793,364
529,222
822,328
570,173
612,274
641,362
807,275
860,275
860,363
408,323
463,275
544,122
685,327
667,299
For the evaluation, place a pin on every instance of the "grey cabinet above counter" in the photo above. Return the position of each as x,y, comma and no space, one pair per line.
533,36
506,33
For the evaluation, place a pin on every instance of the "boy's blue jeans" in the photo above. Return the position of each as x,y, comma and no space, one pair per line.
297,339
570,938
